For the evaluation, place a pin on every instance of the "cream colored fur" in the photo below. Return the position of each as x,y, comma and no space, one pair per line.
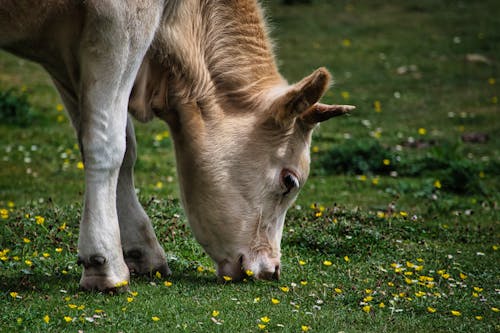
206,67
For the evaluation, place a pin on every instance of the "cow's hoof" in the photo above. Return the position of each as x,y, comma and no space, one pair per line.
100,275
142,263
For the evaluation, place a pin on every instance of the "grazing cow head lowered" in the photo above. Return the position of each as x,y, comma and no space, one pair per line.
241,133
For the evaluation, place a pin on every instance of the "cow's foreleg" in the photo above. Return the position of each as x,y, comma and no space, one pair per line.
102,139
112,48
143,254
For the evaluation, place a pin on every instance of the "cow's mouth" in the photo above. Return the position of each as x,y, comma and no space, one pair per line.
263,269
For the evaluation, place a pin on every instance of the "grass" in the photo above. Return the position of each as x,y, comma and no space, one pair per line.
369,246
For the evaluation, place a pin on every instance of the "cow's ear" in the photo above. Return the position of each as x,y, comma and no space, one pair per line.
301,96
320,112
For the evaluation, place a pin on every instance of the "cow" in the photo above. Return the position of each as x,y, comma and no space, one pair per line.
241,133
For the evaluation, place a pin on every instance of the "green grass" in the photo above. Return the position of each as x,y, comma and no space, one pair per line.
385,234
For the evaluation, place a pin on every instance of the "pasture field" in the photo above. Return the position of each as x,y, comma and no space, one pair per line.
397,229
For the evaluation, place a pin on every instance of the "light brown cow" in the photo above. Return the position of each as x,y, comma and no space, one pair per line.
241,132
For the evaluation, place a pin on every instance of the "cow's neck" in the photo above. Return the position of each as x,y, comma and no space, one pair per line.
218,52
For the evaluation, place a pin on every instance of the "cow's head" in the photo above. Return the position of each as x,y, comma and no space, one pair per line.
240,170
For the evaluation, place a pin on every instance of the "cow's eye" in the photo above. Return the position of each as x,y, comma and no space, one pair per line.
289,181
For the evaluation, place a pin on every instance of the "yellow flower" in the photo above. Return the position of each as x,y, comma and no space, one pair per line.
4,213
368,299
346,42
386,161
315,149
26,240
408,281
302,262
80,165
215,313
380,214
72,306
362,178
130,299
345,95
346,258
495,309
62,227
403,213
68,319
275,301
46,255
305,328
46,319
377,106
265,319
227,278
431,309
39,220
13,294
463,276
390,284
121,284
367,308
437,184
303,283
456,313
155,318
479,317
478,289
98,311
134,293
158,275
261,326
167,284
424,278
285,289
422,131
338,290
59,107
318,214
28,262
495,247
327,263
256,300
420,293
381,305
375,181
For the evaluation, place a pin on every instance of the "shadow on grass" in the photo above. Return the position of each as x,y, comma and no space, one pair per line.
41,282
